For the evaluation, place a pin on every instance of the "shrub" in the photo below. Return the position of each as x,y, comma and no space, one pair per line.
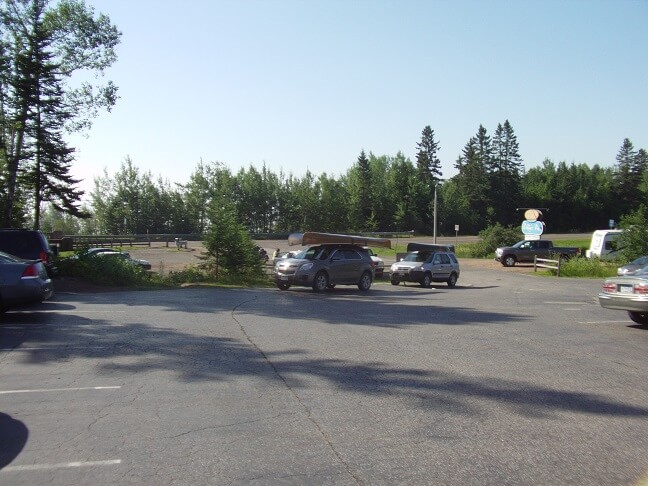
105,271
493,237
587,268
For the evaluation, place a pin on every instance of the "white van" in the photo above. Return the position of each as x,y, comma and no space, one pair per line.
603,244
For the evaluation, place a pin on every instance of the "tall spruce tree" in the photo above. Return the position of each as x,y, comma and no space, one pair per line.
506,175
47,170
41,48
626,178
360,194
428,168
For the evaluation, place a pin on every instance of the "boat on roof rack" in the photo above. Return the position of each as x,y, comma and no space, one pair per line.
429,247
314,238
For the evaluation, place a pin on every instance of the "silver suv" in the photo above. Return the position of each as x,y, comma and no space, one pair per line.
425,267
325,266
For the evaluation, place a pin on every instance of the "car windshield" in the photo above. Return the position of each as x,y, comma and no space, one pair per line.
314,253
642,261
416,256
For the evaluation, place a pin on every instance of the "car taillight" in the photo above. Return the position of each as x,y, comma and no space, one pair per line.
609,287
30,271
43,256
641,288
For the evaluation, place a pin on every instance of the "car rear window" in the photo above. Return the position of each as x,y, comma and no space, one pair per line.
20,243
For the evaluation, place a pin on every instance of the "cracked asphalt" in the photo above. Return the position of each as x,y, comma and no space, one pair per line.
509,378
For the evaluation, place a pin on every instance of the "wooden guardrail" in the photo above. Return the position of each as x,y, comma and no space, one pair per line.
546,263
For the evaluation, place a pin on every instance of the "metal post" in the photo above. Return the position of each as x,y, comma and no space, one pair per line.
435,212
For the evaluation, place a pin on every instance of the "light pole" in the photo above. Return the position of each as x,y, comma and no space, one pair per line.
435,210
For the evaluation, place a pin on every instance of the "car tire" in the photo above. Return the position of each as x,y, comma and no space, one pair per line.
283,286
330,286
364,283
639,317
452,280
426,281
395,282
508,261
320,282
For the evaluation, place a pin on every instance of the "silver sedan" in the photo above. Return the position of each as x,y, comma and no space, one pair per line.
629,293
22,282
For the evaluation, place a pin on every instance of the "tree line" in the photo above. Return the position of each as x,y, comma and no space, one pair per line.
377,193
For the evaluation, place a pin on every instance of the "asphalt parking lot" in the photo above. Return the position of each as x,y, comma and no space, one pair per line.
506,379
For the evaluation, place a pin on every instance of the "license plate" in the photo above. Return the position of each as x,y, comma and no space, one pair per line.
625,289
283,277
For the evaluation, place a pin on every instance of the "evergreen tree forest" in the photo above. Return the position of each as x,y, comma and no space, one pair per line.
377,193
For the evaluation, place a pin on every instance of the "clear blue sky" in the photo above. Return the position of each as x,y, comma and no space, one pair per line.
308,84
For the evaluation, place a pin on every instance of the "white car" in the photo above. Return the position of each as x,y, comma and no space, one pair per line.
379,264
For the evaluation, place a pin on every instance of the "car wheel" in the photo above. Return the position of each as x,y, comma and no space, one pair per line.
452,281
320,282
508,261
395,282
427,280
639,317
283,286
365,282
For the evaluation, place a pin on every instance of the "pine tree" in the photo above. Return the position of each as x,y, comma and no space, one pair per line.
427,163
428,168
360,193
626,178
47,171
506,175
39,49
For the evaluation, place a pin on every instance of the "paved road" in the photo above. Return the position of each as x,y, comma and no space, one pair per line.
506,379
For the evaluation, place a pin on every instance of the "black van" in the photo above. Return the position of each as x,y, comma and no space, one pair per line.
28,244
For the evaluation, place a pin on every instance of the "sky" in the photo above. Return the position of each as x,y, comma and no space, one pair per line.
309,84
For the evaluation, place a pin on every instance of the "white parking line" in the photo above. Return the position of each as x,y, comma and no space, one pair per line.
605,322
40,467
44,390
53,348
567,303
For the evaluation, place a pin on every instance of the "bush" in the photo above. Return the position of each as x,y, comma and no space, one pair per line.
493,237
587,268
105,271
634,239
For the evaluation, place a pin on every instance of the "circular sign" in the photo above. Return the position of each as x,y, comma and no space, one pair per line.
532,215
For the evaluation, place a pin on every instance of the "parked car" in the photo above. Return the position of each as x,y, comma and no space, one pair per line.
628,293
325,266
284,255
527,250
94,251
116,254
635,266
425,267
30,245
22,281
379,264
